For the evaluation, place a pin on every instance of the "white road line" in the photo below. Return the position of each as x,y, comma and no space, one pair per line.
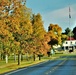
24,68
15,71
56,67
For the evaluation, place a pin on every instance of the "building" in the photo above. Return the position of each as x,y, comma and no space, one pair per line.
69,44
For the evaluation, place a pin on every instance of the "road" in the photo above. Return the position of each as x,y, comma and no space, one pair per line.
66,65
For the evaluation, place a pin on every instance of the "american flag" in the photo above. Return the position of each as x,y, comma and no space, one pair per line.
69,13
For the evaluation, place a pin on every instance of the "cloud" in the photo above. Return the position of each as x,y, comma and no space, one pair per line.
58,13
61,17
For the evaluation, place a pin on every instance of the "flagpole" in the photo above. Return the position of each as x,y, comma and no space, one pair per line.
69,21
70,24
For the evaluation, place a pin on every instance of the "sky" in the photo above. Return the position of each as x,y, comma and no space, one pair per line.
55,12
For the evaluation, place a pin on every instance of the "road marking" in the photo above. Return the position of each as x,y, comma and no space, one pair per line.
56,67
15,71
24,68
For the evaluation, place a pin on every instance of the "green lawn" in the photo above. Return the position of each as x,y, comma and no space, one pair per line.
11,65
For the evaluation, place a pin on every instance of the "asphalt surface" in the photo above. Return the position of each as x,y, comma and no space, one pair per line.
66,65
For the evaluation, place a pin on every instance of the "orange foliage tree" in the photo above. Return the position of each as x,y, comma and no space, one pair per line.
15,24
38,34
54,31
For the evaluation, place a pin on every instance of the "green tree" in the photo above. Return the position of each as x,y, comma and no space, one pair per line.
68,32
74,31
64,37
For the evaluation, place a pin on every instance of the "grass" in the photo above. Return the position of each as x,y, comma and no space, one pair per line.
13,65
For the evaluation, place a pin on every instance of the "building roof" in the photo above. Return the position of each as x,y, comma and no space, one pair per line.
70,38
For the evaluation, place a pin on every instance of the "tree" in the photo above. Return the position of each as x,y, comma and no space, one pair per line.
38,33
15,24
63,37
21,26
54,31
74,31
38,29
68,32
5,34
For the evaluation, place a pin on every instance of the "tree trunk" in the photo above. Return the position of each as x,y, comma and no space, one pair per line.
19,58
34,56
39,57
6,58
14,57
1,56
48,54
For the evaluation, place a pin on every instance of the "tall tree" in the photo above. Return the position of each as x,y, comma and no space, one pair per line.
21,25
38,32
5,34
38,28
15,23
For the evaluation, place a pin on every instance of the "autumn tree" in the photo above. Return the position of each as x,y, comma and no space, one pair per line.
38,33
54,31
21,25
15,23
5,34
47,47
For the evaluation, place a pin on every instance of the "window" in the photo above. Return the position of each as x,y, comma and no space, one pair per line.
66,42
71,42
75,47
67,47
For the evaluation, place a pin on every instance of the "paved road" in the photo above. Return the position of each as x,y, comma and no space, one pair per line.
51,67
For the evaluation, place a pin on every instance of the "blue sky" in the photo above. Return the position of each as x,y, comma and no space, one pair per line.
55,12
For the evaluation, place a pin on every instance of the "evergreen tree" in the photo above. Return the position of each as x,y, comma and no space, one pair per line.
74,31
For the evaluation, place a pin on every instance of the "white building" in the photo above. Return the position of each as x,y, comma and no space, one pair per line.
70,43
